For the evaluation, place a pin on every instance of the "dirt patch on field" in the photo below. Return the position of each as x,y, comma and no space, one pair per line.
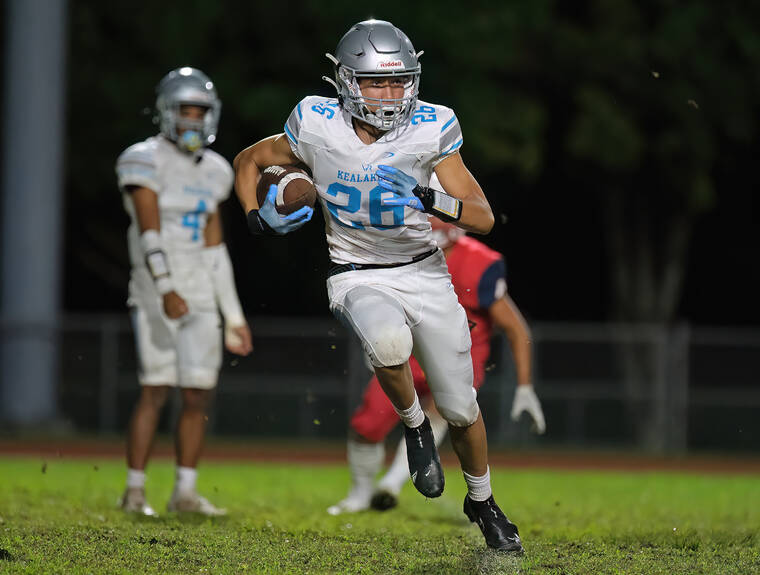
331,452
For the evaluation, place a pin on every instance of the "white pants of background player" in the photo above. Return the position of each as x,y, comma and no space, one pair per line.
180,353
186,352
412,308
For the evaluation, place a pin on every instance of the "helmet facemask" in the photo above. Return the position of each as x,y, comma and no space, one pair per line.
389,113
376,49
191,134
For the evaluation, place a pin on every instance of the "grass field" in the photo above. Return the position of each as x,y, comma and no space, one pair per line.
60,517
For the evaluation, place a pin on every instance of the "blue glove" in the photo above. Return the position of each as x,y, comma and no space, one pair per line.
267,220
402,186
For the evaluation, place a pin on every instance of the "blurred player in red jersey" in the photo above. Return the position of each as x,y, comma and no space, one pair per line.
478,277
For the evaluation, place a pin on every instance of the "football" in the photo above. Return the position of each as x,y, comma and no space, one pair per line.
295,188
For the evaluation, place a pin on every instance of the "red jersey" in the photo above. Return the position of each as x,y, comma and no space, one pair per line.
479,278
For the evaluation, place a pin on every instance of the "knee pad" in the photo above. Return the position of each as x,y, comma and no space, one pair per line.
459,410
380,323
390,345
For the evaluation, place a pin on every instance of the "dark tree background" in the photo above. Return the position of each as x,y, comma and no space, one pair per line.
615,139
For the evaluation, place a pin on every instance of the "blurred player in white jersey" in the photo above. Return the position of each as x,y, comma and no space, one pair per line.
181,279
478,275
372,151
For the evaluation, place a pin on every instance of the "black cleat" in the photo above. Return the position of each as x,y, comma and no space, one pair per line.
424,464
383,501
500,533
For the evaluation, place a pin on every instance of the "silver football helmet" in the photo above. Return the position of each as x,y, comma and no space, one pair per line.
376,48
187,86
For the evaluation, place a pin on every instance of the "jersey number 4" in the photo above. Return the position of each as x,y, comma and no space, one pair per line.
352,203
195,220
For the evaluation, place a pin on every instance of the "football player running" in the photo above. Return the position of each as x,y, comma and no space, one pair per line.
372,151
478,276
181,279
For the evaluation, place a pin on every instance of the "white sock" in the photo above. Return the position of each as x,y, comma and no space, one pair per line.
186,477
135,478
478,488
413,416
364,461
398,472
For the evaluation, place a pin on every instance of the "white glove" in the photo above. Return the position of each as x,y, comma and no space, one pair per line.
526,400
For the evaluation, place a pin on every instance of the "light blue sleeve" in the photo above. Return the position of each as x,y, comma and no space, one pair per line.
293,129
450,139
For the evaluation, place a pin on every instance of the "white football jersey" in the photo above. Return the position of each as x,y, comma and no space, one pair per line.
359,228
189,188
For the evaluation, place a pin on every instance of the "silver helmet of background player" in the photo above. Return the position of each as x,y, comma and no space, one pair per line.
375,48
187,86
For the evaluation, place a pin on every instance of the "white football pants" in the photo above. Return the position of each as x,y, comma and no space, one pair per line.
412,308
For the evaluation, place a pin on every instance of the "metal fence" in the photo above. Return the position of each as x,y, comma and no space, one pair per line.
602,385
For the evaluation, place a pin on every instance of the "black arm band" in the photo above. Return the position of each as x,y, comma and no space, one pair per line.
257,226
443,206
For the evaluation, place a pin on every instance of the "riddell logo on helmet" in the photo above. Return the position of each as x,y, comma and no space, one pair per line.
391,64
